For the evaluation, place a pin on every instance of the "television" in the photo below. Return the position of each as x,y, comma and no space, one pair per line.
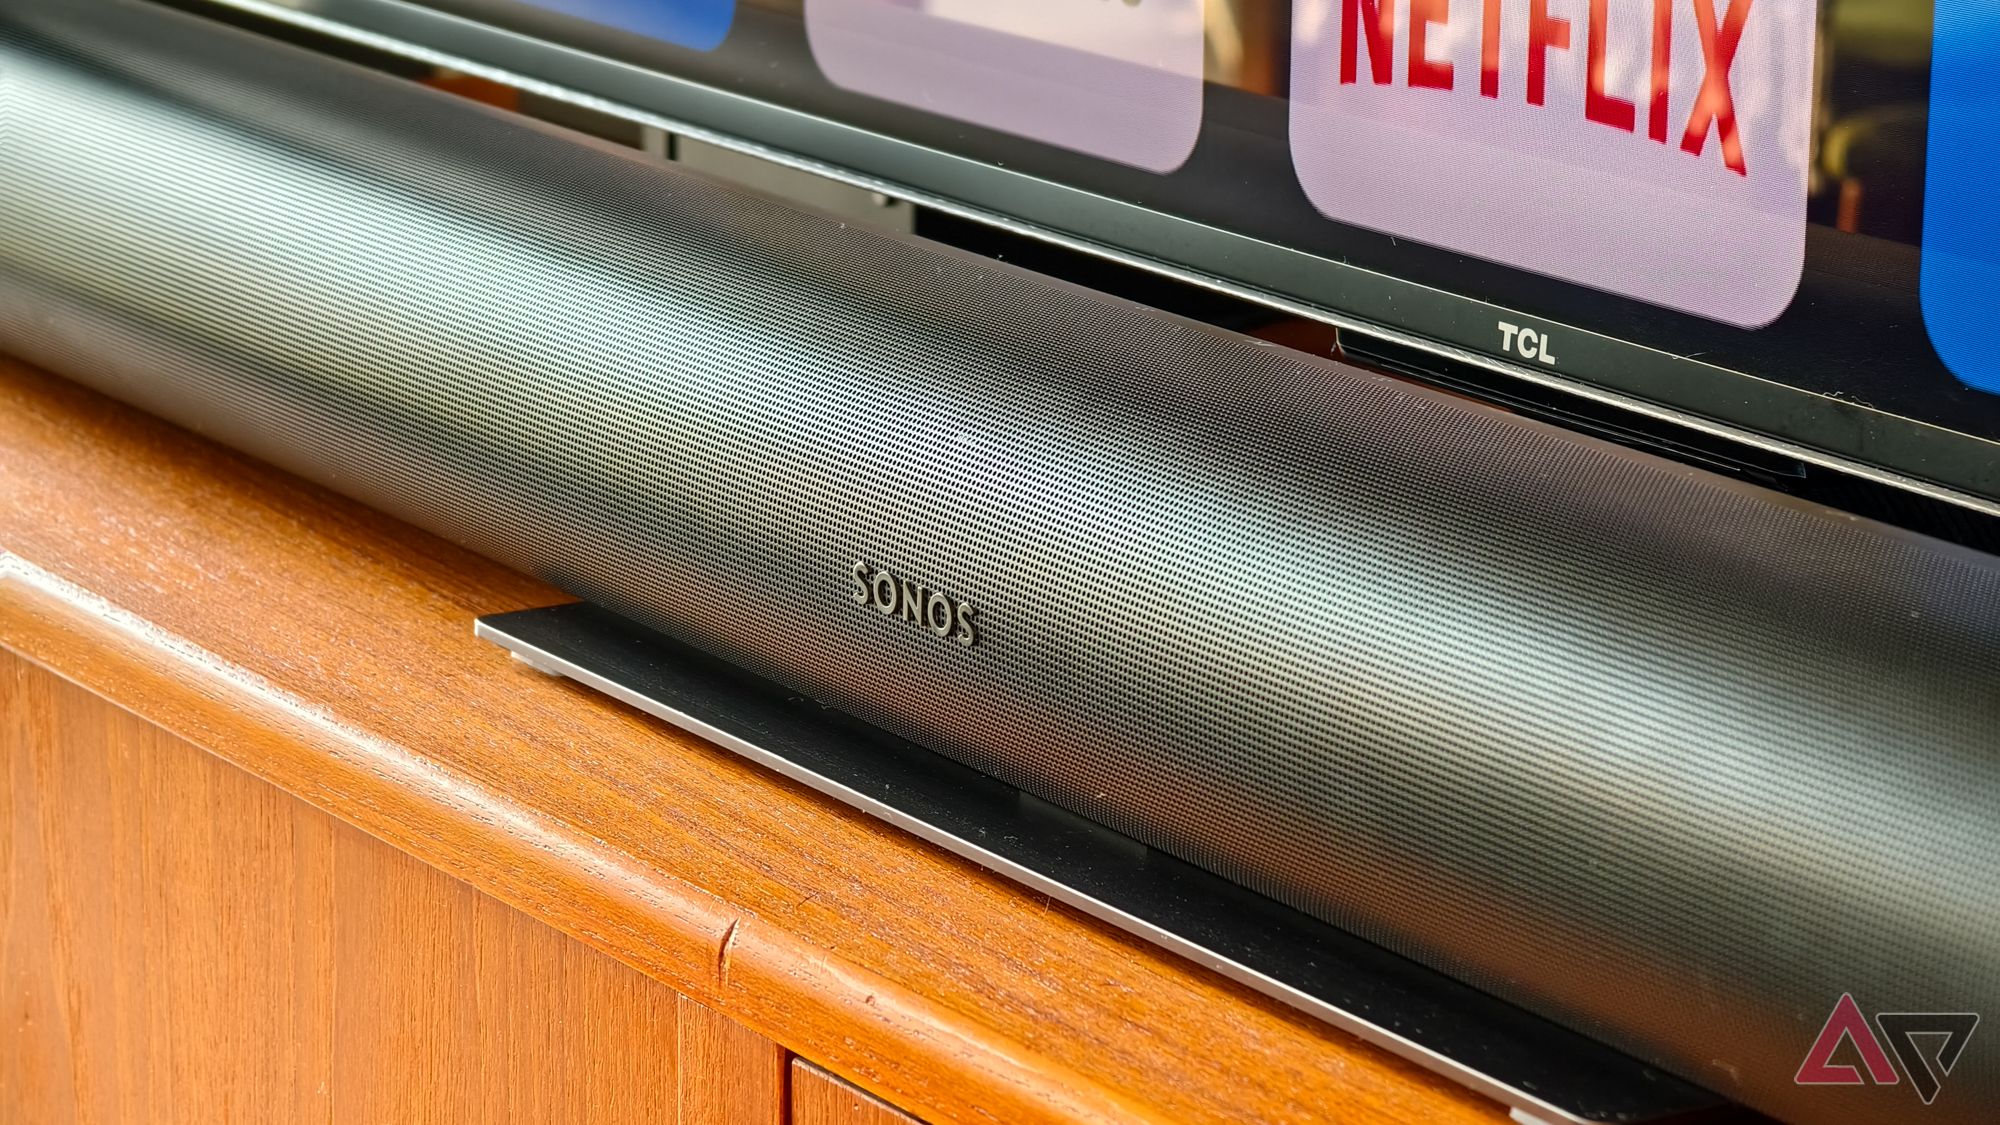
1761,220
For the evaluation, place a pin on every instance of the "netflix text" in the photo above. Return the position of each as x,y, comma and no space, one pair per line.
1657,149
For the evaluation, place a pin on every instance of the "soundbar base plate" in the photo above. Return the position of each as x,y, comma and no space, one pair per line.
1544,1071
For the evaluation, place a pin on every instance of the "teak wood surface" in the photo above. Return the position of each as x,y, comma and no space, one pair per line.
328,649
187,944
819,1098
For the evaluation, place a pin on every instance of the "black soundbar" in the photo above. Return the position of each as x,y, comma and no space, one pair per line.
1669,760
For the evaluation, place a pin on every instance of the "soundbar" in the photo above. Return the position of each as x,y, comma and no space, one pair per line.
1669,760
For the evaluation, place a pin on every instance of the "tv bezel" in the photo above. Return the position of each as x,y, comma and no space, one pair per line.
1816,429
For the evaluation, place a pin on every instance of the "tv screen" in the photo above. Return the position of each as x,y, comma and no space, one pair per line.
1766,214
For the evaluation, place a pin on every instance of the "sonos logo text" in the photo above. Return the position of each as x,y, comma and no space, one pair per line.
935,610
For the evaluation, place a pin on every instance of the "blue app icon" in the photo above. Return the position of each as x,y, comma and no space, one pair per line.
1960,284
700,24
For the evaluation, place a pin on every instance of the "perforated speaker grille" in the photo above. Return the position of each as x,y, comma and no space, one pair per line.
1672,760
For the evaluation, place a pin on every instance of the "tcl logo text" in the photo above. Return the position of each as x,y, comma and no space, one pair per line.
1512,58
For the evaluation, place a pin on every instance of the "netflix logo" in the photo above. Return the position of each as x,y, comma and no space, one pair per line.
1657,149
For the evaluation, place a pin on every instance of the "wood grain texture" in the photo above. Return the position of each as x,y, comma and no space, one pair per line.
186,944
153,966
328,649
730,1075
819,1098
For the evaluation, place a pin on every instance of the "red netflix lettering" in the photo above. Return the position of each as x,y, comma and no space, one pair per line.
1598,105
1424,73
1714,107
1714,104
1381,31
1663,62
1544,32
1489,50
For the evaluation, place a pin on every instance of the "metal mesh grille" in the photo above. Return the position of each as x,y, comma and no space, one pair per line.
1674,761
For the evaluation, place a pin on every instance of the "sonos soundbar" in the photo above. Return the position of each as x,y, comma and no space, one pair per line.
1671,761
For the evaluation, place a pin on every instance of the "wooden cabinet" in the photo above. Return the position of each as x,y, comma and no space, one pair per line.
189,944
819,1098
285,843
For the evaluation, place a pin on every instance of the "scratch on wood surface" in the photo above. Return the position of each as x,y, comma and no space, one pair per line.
722,953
